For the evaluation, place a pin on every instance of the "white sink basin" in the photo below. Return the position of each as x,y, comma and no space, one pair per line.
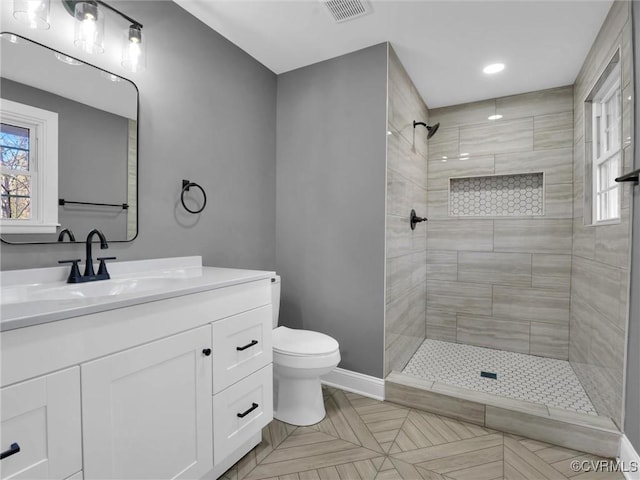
35,296
70,291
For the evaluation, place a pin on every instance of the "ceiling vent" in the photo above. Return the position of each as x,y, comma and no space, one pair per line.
343,10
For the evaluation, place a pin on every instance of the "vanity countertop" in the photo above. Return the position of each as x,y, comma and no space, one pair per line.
36,296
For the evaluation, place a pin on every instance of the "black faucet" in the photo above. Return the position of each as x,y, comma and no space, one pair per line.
88,266
68,232
89,274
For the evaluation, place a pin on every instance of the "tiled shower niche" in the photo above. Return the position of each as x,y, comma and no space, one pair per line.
515,195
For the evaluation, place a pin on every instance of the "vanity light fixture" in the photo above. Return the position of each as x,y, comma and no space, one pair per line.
11,38
494,117
33,13
89,27
493,68
110,76
89,32
68,60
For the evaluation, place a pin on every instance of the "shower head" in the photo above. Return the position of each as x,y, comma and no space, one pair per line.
431,129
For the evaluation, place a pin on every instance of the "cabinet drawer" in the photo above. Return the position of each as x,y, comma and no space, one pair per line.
236,418
241,345
42,416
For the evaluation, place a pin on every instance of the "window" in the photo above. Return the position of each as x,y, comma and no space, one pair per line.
607,149
28,169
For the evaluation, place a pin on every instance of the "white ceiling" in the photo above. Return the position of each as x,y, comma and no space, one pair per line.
443,44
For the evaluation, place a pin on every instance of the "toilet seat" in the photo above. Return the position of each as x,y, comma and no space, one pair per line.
306,362
302,343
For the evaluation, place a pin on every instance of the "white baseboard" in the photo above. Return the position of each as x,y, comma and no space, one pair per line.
355,382
629,459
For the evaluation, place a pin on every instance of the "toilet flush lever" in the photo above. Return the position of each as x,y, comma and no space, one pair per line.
253,342
415,219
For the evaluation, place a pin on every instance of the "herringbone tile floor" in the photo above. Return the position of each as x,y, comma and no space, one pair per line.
362,438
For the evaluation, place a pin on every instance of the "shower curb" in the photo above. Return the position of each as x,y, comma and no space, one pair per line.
587,433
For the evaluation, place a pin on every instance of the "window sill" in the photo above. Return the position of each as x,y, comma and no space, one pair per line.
33,228
603,223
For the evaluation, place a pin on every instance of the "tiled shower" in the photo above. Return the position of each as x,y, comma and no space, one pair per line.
513,276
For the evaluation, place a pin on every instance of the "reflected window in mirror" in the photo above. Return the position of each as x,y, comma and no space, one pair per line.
29,168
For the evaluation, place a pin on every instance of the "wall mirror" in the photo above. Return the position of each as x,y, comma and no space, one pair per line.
90,123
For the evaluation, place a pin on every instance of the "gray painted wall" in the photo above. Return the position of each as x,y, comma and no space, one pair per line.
632,405
91,167
330,226
207,113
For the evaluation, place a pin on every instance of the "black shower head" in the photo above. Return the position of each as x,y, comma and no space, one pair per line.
431,129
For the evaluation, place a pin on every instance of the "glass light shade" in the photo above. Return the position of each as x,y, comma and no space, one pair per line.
89,27
134,50
33,13
11,38
68,60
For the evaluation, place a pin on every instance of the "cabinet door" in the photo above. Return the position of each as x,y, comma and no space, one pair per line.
146,412
42,416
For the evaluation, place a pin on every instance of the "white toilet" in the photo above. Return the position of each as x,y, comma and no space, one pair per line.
300,357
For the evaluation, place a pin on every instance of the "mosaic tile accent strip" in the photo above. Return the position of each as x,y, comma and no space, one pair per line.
520,376
517,195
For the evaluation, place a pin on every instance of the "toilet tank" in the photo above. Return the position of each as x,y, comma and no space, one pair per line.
275,299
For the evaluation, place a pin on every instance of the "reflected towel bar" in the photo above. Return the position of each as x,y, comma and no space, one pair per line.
124,206
629,177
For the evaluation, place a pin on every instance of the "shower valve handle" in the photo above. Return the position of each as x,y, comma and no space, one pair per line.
415,219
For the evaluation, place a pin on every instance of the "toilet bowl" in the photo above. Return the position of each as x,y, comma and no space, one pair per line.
300,357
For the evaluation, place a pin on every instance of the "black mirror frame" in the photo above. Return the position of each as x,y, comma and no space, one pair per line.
137,151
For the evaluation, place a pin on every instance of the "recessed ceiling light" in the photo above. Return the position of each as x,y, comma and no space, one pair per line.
493,68
494,117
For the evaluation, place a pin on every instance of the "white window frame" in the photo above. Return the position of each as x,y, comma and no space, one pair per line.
43,169
607,153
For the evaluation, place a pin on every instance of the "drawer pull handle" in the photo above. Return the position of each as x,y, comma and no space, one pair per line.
15,448
206,352
253,342
247,412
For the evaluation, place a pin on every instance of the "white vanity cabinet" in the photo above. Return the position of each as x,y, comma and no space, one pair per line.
159,389
146,412
42,417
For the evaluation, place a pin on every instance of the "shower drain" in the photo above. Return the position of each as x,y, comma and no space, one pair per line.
489,375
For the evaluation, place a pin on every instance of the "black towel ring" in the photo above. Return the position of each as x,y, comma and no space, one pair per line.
186,185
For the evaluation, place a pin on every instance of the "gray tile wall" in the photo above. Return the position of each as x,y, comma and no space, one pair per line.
600,257
406,253
502,282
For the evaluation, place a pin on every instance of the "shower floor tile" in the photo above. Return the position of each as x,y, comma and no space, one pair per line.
520,376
